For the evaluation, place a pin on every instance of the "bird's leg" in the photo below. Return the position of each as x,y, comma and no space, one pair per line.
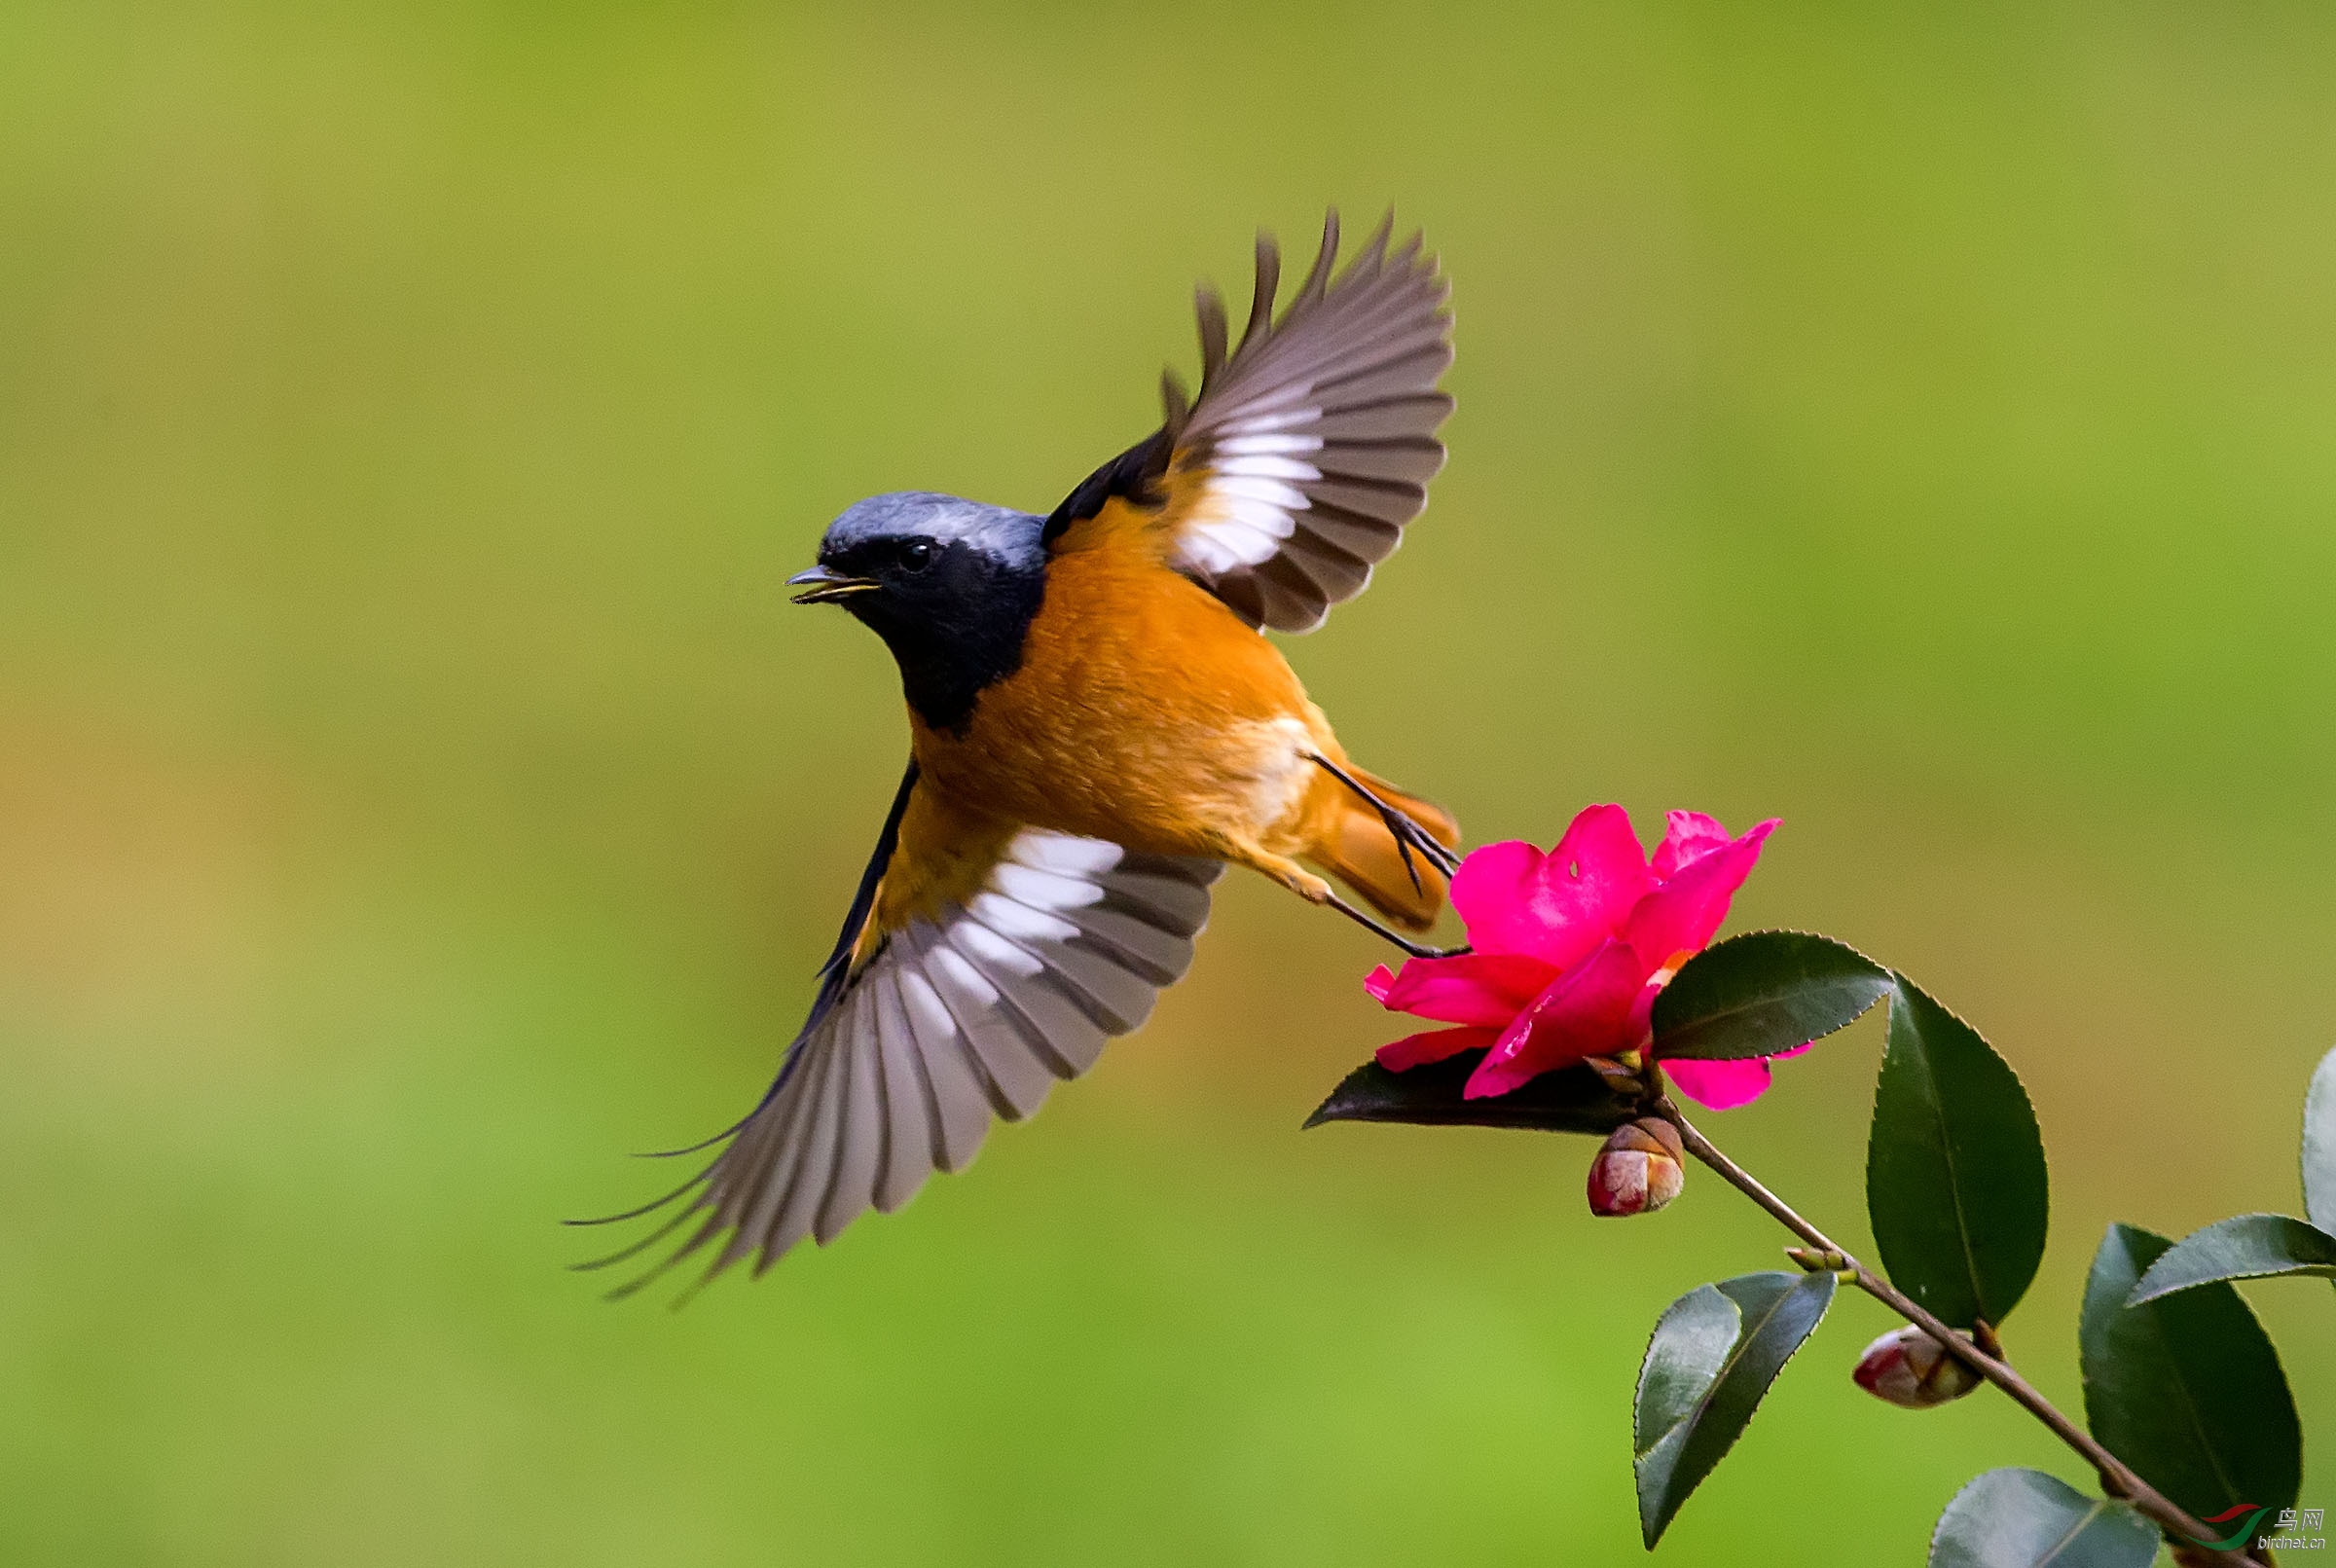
1314,891
1408,834
1415,949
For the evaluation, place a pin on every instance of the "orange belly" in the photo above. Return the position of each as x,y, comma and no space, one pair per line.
1146,712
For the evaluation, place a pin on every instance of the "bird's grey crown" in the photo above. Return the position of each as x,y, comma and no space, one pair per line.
1012,536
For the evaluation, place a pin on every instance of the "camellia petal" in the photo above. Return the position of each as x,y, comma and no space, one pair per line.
1720,1085
1476,988
1433,1045
1556,908
1492,894
1590,884
1690,836
1584,1012
1681,916
1725,1085
1571,948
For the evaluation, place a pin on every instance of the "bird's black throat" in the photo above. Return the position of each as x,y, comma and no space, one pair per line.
955,628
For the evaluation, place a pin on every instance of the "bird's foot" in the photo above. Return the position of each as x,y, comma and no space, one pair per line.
1408,834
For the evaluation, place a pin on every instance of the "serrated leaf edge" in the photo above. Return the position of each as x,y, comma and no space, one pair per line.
2097,1507
2134,1298
2319,1093
1902,986
1888,976
2156,1329
1746,1333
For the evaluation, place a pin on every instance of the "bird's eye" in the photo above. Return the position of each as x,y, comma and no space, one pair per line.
916,554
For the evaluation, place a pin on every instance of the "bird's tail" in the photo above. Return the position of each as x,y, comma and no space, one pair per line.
1359,851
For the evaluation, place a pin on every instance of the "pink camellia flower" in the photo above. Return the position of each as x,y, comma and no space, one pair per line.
1571,948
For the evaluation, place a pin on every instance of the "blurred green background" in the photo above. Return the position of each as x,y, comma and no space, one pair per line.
415,792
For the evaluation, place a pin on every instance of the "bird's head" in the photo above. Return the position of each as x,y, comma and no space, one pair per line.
950,585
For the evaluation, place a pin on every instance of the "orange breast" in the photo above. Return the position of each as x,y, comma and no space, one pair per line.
1144,712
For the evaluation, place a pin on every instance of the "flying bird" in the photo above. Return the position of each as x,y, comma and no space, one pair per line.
1098,727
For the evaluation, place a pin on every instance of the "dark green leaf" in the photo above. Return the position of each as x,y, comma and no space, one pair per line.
1572,1099
2186,1389
2253,1245
2025,1518
1762,992
2319,1145
1955,1181
1715,1352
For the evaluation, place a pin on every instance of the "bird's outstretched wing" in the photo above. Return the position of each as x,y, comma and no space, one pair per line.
980,963
1311,443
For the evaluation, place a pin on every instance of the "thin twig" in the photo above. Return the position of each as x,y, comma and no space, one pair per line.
2117,1477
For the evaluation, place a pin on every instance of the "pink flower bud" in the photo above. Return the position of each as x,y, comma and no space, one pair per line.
1909,1368
1637,1170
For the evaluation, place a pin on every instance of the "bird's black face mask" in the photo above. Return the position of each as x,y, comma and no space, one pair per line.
953,613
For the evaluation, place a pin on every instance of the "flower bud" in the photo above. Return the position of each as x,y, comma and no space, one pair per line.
1638,1169
1909,1368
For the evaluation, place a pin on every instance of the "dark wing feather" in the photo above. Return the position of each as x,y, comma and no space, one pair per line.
1312,442
970,1014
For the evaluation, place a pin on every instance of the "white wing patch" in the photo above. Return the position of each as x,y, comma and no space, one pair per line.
1316,440
957,1020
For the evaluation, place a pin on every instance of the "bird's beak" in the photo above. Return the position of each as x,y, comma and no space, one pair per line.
824,587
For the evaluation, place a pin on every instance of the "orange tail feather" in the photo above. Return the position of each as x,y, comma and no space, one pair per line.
1358,850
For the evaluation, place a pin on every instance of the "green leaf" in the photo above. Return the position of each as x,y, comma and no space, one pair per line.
2025,1518
1762,992
2319,1145
1715,1352
2186,1389
1572,1099
1955,1181
2253,1245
